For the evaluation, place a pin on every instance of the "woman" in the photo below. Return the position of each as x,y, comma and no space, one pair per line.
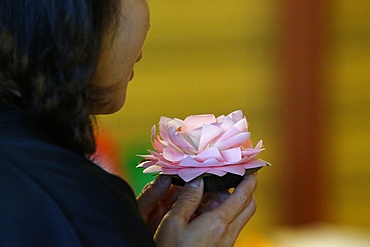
61,63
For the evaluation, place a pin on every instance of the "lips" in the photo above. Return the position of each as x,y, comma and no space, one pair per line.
132,75
137,60
139,57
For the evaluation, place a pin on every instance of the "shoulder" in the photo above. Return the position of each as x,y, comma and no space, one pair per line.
59,193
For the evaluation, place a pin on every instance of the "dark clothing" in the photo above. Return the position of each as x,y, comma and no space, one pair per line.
52,196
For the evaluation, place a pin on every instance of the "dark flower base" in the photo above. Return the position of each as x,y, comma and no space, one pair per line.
215,183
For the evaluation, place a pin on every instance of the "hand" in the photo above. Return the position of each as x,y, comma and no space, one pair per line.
156,200
217,225
158,197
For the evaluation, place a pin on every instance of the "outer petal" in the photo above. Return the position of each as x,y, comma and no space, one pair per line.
169,171
232,155
217,172
172,155
235,169
158,145
209,153
189,162
213,163
259,145
191,173
163,131
236,129
146,164
153,168
250,152
156,142
234,141
255,163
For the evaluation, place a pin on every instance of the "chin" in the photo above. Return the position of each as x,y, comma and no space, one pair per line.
109,108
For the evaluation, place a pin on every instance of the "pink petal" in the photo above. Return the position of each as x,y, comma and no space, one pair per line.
153,168
250,152
158,145
146,164
217,172
235,169
191,173
242,125
236,115
255,163
196,121
237,128
156,142
154,131
163,130
155,154
194,137
247,144
259,145
232,155
209,133
193,142
226,123
166,164
209,153
234,141
176,122
179,143
172,155
220,118
189,162
169,171
212,163
146,156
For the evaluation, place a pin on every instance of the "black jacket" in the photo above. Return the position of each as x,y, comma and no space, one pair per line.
52,196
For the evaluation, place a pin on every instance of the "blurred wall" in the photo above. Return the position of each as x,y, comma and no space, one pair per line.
216,56
347,94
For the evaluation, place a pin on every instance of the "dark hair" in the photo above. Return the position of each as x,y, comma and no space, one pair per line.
48,52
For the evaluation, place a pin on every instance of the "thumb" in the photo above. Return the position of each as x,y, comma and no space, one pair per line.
152,193
189,199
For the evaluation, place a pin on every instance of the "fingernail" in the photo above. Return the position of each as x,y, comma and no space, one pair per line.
193,183
212,204
163,179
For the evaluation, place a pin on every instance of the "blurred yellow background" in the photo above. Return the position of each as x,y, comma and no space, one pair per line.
217,56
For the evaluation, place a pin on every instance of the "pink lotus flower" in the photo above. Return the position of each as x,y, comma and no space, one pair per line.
202,144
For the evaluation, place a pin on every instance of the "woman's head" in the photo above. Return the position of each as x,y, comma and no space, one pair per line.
121,50
49,52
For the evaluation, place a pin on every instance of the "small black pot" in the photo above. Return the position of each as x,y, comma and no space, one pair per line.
215,183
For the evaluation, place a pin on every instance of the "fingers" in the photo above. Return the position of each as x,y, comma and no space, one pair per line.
245,215
188,200
223,218
236,203
152,193
213,199
239,223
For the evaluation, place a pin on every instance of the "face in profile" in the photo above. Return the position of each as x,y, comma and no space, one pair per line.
120,51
